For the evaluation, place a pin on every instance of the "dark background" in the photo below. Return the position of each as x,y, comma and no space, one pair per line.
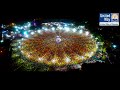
73,10
22,10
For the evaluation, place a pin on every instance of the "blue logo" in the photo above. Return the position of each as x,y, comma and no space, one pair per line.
109,19
105,17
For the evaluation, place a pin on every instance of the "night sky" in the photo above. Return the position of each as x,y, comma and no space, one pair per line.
69,9
78,11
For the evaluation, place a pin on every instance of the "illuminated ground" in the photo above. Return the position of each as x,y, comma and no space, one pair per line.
72,48
56,45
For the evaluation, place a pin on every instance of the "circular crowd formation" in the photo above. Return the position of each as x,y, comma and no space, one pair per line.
57,44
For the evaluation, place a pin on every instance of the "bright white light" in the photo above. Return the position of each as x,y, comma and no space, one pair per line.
15,32
3,31
114,46
19,46
81,31
96,46
53,29
67,59
74,30
21,27
82,26
22,39
53,61
91,36
65,25
8,35
1,41
58,39
44,28
29,30
15,27
96,38
82,57
22,52
40,59
39,31
32,33
13,36
98,43
78,66
86,33
28,55
91,54
25,26
29,24
67,29
26,36
25,33
72,24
